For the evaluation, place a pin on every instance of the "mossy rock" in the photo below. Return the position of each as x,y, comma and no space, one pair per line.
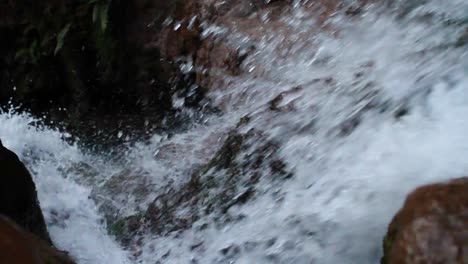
228,179
126,228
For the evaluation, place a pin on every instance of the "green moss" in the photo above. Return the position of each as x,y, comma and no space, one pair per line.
124,228
223,158
228,152
118,228
211,182
388,242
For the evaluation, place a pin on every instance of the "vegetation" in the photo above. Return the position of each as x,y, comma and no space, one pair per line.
77,60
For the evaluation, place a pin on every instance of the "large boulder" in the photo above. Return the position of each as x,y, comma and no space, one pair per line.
18,197
19,247
216,189
432,226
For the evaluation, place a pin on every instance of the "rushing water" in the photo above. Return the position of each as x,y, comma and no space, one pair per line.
405,80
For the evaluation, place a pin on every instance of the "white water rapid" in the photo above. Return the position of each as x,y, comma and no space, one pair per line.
346,186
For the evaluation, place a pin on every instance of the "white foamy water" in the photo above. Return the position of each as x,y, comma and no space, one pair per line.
346,185
74,223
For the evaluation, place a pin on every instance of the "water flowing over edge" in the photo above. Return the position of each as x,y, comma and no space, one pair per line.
344,190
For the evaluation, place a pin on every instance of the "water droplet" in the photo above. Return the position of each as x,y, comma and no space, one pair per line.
177,26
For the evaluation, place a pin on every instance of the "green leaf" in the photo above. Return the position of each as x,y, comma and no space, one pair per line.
28,28
103,14
95,13
34,51
61,38
21,53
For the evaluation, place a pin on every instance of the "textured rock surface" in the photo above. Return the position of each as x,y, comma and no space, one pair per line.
19,247
432,226
231,178
18,197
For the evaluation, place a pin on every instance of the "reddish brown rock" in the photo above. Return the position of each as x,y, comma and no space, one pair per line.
432,226
15,246
168,26
20,247
219,55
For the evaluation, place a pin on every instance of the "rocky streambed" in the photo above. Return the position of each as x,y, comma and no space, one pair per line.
239,131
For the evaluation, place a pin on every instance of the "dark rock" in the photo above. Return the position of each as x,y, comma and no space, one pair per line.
115,192
18,197
353,10
230,251
19,247
126,228
163,214
348,126
241,198
276,103
196,245
462,39
229,179
432,226
401,112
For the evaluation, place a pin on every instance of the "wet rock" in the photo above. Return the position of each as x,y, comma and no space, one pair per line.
463,39
432,226
241,198
125,189
401,112
348,126
323,9
125,229
353,10
196,246
229,179
18,197
20,247
230,251
278,104
217,55
85,173
175,210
